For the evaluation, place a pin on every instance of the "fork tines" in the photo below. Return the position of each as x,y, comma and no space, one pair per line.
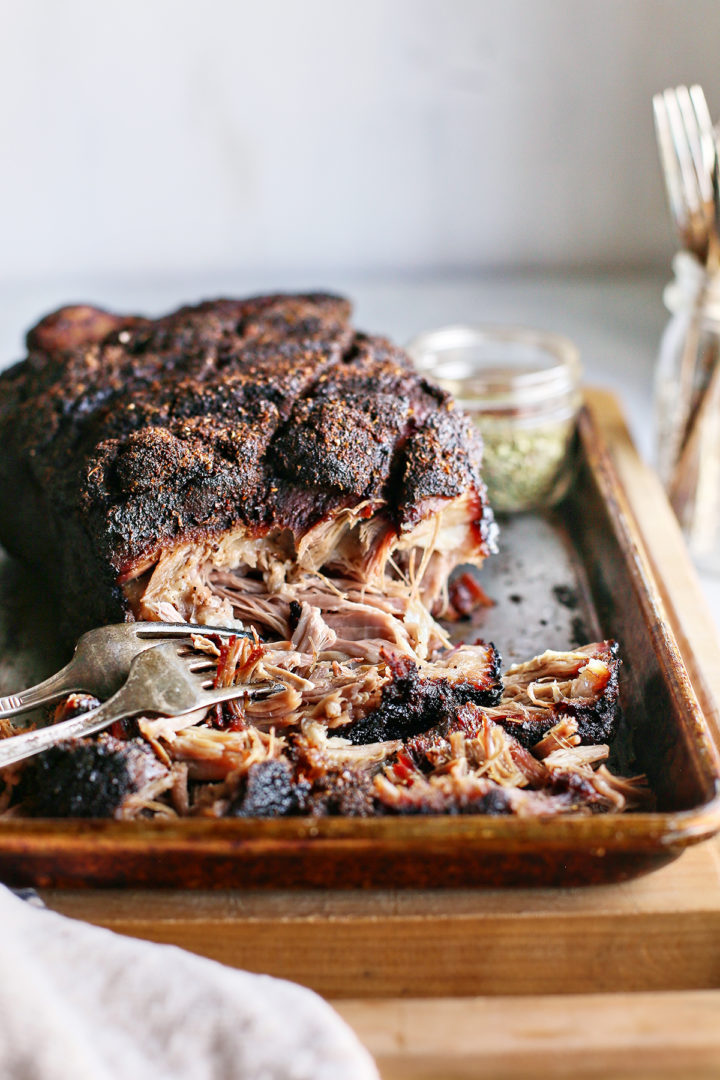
687,154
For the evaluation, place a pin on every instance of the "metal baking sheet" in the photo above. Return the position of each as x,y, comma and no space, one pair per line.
580,573
539,589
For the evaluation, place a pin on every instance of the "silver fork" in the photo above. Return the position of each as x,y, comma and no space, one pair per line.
161,680
101,662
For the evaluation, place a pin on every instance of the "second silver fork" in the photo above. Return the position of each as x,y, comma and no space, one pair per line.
161,681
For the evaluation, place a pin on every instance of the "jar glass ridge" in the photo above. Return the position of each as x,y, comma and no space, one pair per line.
521,388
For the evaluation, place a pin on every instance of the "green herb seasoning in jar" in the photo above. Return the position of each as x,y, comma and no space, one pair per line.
522,389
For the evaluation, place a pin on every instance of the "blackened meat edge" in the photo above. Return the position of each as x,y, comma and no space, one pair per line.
124,437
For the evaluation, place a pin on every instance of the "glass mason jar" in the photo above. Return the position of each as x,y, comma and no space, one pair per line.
522,389
687,407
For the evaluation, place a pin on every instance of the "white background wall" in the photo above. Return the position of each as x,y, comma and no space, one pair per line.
313,137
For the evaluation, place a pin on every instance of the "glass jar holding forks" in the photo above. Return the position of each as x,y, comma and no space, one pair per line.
687,406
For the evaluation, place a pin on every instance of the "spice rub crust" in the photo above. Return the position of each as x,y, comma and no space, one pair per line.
125,435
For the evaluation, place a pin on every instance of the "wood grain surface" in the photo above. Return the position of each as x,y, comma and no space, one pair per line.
603,1037
657,932
615,981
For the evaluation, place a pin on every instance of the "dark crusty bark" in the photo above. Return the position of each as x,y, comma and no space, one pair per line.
123,436
86,777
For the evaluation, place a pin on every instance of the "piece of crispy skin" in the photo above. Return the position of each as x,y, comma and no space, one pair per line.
125,437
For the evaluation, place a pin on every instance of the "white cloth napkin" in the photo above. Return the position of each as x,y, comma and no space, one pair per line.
81,1003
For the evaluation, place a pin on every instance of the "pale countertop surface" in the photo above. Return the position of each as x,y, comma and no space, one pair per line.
616,319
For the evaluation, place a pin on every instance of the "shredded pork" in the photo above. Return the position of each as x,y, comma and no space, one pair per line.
324,744
374,585
378,712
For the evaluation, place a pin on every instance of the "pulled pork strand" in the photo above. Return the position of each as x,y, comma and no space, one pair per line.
347,737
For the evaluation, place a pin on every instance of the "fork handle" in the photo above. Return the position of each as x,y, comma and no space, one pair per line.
120,706
16,747
74,676
58,685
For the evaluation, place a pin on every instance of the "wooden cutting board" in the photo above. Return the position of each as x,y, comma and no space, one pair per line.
498,983
663,1036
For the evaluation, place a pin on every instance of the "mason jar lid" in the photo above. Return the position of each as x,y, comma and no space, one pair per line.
499,367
